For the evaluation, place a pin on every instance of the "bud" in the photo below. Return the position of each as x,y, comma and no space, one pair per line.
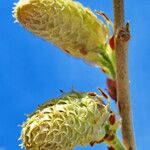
71,120
70,26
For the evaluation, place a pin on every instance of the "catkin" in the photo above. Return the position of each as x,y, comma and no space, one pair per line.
63,123
72,27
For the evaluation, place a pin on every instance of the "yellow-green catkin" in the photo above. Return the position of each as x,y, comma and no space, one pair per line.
72,27
70,120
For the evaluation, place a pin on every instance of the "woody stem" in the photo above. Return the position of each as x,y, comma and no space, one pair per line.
122,36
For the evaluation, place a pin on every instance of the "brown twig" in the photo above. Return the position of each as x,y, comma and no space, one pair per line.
122,36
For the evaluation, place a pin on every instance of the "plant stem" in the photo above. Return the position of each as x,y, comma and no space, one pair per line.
117,145
122,36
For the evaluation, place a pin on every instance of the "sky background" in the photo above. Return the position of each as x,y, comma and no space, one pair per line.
33,70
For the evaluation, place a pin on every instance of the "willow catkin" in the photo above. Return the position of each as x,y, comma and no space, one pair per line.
67,24
63,123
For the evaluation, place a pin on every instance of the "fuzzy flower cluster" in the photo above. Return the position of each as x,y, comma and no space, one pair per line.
70,26
63,123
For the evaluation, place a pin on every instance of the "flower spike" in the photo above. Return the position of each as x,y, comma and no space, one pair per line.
70,120
70,26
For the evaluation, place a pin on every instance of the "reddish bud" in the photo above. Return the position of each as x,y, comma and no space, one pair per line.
112,42
111,148
112,89
92,94
112,119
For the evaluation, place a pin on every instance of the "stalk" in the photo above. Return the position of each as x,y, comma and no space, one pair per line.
122,36
116,144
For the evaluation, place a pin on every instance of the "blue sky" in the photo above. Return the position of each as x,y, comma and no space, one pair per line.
32,71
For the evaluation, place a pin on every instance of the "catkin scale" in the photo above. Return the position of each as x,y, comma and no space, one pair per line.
65,122
72,27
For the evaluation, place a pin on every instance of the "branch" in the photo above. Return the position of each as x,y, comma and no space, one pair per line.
122,36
